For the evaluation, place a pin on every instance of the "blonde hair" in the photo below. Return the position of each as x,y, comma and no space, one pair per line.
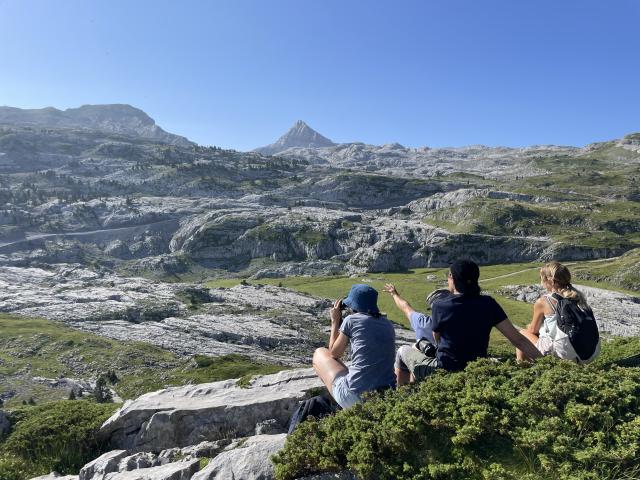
559,277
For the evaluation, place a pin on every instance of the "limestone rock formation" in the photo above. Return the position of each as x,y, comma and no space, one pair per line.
266,323
183,416
101,466
251,460
203,432
55,476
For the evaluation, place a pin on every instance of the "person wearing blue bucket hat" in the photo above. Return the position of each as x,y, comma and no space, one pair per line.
372,339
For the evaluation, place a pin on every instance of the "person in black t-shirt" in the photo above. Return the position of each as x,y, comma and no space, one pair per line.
461,325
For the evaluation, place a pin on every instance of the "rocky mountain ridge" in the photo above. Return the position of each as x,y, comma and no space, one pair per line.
115,118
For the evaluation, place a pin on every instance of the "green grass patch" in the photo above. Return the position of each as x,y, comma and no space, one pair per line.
43,348
59,436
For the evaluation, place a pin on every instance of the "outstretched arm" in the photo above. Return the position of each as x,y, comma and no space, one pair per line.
518,340
401,303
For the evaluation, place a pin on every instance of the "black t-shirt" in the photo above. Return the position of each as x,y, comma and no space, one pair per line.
464,324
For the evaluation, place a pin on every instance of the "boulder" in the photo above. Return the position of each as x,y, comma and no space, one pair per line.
55,476
183,470
183,416
250,460
101,466
141,460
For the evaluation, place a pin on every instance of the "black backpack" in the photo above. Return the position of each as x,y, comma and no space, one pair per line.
579,324
319,406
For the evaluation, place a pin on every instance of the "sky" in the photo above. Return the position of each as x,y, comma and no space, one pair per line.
239,73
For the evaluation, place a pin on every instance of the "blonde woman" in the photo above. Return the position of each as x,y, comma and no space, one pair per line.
559,327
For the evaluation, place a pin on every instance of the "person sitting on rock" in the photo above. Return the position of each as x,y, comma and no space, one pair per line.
459,325
372,339
544,331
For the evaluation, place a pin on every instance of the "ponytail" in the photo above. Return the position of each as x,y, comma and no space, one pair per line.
560,279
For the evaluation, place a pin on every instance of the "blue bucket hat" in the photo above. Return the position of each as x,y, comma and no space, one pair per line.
362,298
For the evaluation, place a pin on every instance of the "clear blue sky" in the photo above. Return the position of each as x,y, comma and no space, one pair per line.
238,73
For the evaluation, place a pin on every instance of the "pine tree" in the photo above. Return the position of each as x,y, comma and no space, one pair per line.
102,393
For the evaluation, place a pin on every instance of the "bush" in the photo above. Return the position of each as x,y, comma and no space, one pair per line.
551,420
59,436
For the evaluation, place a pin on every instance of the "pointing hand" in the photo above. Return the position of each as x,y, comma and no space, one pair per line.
389,288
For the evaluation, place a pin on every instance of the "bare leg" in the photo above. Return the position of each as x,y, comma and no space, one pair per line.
532,338
327,367
402,377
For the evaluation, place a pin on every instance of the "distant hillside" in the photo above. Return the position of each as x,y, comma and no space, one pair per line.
116,118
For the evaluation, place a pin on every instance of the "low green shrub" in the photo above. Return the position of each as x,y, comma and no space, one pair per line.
58,436
551,420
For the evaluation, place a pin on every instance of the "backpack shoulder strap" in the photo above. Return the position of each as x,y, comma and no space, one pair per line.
556,297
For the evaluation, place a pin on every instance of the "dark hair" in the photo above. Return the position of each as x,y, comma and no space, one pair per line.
465,275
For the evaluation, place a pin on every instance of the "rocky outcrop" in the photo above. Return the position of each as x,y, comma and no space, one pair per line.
101,466
458,197
203,432
250,460
181,470
55,476
183,416
263,322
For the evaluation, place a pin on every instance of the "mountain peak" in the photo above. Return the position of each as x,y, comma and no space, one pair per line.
300,135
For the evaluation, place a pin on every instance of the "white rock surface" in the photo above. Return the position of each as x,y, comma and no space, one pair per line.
266,323
250,460
172,471
55,476
107,463
183,416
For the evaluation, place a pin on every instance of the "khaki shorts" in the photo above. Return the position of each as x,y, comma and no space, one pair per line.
410,359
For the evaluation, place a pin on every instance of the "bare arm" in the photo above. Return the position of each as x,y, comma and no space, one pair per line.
337,340
538,317
337,349
518,340
336,320
401,303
